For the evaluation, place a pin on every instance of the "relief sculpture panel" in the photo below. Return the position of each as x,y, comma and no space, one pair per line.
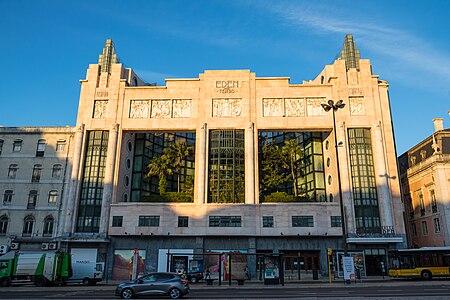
161,108
357,106
273,107
139,109
226,107
181,108
295,107
100,107
313,106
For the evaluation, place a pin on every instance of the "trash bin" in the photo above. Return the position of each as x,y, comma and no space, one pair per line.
315,274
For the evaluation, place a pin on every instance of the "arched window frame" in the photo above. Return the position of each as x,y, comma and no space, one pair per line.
49,224
28,225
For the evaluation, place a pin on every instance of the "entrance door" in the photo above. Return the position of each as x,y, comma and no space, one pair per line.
375,262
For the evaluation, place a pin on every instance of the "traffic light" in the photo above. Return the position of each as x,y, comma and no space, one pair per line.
330,251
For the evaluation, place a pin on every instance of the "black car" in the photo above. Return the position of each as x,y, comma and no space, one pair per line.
169,284
194,277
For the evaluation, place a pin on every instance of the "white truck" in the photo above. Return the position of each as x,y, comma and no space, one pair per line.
85,267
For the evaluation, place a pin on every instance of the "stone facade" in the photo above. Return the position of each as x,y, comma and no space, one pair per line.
425,180
110,207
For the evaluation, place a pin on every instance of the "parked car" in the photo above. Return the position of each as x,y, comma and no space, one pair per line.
194,277
169,284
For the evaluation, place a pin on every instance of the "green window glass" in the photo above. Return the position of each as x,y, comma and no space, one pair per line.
226,166
363,181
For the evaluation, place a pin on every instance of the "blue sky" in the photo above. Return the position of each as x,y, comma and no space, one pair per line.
46,47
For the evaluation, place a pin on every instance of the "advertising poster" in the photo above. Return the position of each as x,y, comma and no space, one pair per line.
349,267
123,264
179,264
238,264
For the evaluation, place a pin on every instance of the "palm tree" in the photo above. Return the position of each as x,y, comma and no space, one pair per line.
160,166
177,152
292,153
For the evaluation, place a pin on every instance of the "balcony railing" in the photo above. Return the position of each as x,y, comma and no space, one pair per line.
422,211
434,209
381,231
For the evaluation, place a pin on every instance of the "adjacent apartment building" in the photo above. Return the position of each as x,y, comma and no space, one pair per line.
229,162
425,181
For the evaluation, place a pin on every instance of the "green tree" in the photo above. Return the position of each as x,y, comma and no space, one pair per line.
178,152
161,166
292,155
272,176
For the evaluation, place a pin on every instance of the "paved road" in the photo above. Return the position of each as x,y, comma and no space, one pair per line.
384,290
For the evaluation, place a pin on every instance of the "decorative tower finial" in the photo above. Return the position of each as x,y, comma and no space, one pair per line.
108,57
349,53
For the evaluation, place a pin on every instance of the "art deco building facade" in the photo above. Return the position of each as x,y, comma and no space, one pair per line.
233,162
425,181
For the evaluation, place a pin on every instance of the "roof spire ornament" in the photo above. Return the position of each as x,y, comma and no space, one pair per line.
350,54
108,57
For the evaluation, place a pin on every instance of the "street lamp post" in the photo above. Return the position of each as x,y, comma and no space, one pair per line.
334,107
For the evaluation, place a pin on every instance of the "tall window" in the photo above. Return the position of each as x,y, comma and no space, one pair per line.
1,146
414,229
421,204
90,204
17,145
424,228
32,199
12,171
433,201
48,226
363,179
7,197
60,145
40,149
28,224
56,171
52,197
226,166
437,225
4,224
37,170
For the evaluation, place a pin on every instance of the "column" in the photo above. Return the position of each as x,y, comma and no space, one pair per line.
345,180
249,164
70,215
201,166
381,178
108,183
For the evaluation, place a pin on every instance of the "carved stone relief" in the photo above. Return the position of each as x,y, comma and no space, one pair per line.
273,107
313,106
357,107
226,108
139,109
295,107
161,108
181,108
100,107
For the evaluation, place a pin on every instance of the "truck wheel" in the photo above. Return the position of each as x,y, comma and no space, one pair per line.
40,281
4,282
86,282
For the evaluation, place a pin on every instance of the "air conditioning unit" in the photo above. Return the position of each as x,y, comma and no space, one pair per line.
44,246
51,246
14,246
4,249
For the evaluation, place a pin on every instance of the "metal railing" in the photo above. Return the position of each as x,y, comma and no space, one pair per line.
380,231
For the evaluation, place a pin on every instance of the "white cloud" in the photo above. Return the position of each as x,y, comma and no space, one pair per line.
395,45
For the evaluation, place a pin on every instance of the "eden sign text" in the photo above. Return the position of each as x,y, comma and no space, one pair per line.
227,86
